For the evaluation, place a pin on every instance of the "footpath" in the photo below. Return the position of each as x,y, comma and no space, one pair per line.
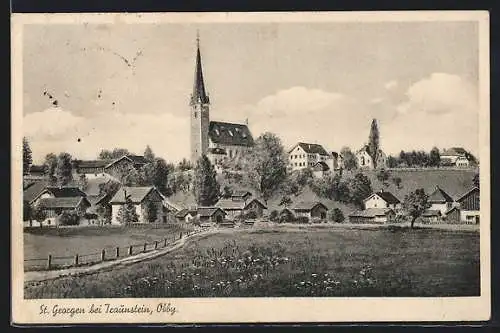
39,276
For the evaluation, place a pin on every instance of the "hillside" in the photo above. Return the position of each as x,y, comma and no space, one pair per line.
454,182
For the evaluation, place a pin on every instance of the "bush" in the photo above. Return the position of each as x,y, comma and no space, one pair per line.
302,219
69,218
316,220
337,216
273,216
250,215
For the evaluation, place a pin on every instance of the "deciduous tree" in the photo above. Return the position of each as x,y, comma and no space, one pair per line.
27,156
206,189
415,204
360,188
64,169
434,157
50,166
349,160
148,154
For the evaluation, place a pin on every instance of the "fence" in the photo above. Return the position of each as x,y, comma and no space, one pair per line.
52,262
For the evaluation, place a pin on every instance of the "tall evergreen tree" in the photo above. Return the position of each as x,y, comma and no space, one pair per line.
64,173
206,189
27,156
374,142
148,154
127,213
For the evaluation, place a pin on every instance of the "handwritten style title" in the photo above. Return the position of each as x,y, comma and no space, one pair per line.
106,308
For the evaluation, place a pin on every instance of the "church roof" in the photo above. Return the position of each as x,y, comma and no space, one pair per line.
230,134
199,94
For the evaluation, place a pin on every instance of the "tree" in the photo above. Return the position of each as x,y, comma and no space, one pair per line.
397,181
64,173
206,189
374,142
83,182
337,216
349,160
285,201
415,204
27,157
184,165
104,213
39,214
265,166
69,218
50,166
227,192
148,154
27,212
331,187
151,211
392,162
112,154
156,173
127,213
360,188
383,176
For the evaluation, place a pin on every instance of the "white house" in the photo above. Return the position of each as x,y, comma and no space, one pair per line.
320,169
237,208
456,156
365,161
469,206
306,155
440,201
372,215
186,215
312,209
140,197
382,199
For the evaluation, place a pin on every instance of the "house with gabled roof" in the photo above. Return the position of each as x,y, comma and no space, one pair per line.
469,206
55,206
382,199
141,197
440,200
90,168
310,209
365,160
455,156
238,208
210,214
124,164
306,155
372,215
320,169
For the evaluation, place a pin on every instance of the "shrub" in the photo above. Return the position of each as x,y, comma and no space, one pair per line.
337,216
302,219
316,220
69,218
273,216
250,215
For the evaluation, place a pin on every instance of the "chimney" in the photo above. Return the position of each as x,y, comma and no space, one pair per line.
246,121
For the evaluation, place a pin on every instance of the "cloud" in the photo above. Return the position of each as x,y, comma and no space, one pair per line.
391,85
376,100
59,131
440,93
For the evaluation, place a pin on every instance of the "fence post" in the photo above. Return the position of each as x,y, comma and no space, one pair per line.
76,259
103,254
180,236
165,242
130,250
49,261
156,245
145,245
117,252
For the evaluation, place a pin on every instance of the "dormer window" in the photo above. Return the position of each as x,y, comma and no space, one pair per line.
230,132
195,114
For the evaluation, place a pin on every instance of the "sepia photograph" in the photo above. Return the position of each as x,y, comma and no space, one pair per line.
169,160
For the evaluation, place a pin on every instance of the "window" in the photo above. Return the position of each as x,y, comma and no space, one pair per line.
230,133
195,114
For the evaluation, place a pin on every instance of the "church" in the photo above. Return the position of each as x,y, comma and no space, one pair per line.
219,141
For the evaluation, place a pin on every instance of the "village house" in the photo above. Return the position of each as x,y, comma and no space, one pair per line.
58,192
124,164
140,196
372,215
98,205
286,215
320,169
240,195
35,173
431,216
239,208
306,155
365,161
382,199
469,206
33,190
336,162
456,156
185,215
90,168
210,214
55,206
311,210
440,200
453,215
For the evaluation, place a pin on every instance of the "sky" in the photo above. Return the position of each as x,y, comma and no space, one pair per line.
128,85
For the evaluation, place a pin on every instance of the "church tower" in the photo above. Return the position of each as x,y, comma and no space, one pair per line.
200,111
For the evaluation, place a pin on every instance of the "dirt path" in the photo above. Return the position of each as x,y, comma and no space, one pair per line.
38,276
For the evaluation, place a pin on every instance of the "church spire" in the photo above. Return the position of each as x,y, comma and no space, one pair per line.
199,94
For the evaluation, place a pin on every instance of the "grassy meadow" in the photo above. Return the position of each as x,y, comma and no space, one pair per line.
292,262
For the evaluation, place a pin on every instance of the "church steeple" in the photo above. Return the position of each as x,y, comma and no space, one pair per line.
199,94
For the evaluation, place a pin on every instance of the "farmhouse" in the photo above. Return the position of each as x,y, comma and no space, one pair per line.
372,215
238,208
33,190
124,163
240,195
185,215
141,198
210,214
456,156
58,192
320,169
453,215
365,161
314,209
382,199
90,168
440,200
306,155
98,205
35,172
469,206
54,206
286,215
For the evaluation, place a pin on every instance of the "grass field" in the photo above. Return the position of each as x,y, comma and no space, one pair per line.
293,262
67,242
